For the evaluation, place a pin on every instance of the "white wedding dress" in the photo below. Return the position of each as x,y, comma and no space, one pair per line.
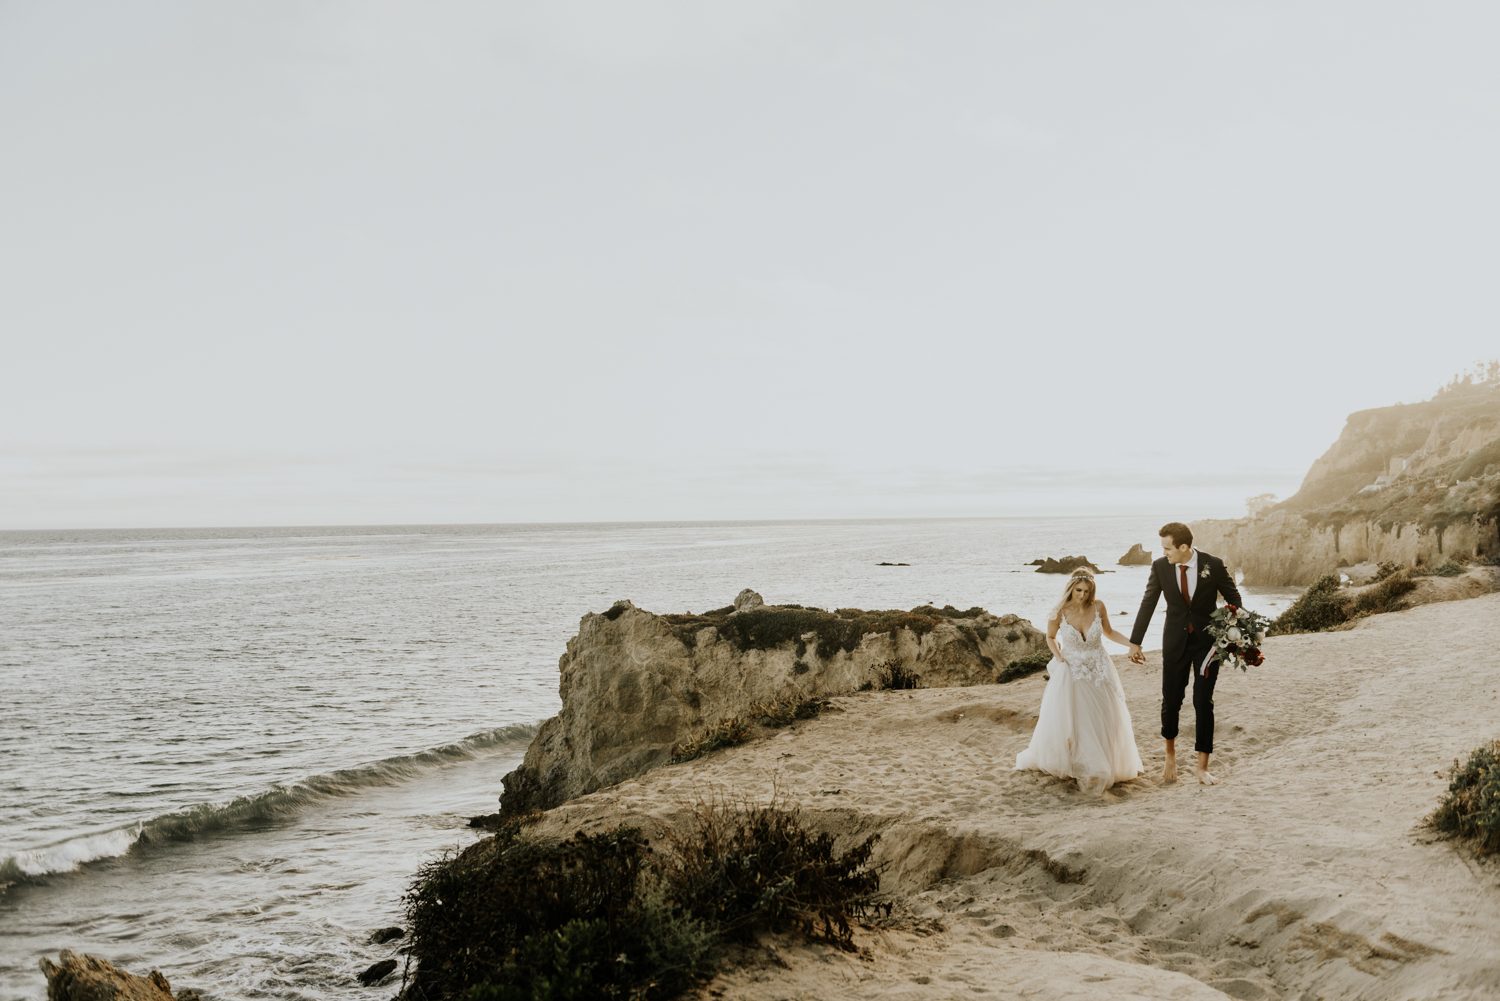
1083,730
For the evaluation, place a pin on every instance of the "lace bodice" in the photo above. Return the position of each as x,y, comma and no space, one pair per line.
1084,652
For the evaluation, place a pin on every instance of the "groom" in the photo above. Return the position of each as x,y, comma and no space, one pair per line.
1191,581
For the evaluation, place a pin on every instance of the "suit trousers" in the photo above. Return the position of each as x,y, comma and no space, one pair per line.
1174,680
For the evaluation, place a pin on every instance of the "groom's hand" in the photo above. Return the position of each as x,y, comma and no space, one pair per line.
1136,657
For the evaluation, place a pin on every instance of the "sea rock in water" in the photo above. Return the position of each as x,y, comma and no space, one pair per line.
378,972
748,599
385,935
1065,565
634,683
1137,557
89,978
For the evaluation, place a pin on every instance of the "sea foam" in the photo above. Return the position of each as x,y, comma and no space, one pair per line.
276,802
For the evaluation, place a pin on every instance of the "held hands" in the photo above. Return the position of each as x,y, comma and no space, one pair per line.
1136,656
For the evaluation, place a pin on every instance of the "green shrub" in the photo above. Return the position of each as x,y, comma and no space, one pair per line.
1449,569
1387,568
948,611
1382,597
772,625
734,730
1023,666
743,867
1316,609
1472,807
523,918
1326,605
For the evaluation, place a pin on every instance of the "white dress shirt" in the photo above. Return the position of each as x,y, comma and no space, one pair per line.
1192,576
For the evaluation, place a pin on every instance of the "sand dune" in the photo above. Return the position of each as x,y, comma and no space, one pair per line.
1307,874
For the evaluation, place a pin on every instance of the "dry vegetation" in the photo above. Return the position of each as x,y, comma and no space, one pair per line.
770,626
1471,808
519,917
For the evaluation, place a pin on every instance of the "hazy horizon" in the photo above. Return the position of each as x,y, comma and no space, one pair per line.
336,263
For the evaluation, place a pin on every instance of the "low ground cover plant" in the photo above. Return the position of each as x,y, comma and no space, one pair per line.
772,625
730,731
1326,604
519,917
1471,808
1021,667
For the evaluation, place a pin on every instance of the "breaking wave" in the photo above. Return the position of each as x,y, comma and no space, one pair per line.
271,804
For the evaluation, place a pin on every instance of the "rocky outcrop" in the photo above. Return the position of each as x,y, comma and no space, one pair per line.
1137,557
634,683
746,600
1286,549
1065,565
89,978
1407,441
1415,484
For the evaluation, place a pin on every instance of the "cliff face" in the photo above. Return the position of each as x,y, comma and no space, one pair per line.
1418,484
1380,446
634,683
1283,549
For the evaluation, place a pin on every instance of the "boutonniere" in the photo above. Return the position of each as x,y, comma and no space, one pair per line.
1203,572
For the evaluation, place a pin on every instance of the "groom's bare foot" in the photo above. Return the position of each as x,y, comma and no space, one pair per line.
1204,778
1169,773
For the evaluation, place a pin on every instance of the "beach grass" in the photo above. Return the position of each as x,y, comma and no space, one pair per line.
1471,808
730,731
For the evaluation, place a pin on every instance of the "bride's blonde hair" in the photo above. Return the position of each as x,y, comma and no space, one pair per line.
1081,574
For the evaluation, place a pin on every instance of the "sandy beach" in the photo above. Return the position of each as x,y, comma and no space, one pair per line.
1307,874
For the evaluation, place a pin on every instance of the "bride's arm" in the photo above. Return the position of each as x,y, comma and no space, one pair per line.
1109,630
1052,626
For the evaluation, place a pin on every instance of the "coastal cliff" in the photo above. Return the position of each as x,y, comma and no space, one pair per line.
1417,484
634,683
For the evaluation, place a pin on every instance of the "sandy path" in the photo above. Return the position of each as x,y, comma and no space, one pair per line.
1306,875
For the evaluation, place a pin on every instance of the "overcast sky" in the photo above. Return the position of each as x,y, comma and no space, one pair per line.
320,263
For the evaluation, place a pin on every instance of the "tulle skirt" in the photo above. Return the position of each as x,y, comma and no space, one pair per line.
1083,732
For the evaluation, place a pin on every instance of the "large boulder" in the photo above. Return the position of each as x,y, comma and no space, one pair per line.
1137,557
89,978
634,683
748,599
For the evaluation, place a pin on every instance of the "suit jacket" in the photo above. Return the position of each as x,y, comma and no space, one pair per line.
1175,637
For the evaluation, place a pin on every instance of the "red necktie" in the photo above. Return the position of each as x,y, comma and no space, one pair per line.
1185,595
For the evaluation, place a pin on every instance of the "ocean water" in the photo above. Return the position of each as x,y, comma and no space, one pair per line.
223,753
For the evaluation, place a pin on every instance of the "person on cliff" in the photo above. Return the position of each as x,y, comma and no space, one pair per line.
1192,581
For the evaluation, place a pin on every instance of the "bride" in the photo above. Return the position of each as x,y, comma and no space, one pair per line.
1083,730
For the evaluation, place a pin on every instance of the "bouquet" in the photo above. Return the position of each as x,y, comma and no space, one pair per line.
1237,634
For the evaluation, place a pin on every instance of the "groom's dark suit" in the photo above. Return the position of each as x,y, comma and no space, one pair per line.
1185,642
